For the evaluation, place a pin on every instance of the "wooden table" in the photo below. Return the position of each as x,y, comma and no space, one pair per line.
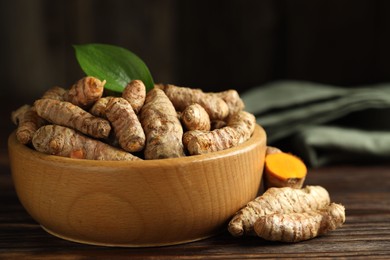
364,190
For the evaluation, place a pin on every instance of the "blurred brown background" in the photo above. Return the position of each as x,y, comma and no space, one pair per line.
213,45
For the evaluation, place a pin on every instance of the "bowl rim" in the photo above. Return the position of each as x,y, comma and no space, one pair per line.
258,136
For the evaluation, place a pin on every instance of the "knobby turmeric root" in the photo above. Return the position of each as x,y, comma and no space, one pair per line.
283,170
244,123
195,117
28,123
277,200
181,97
66,114
232,99
66,142
56,93
135,94
85,92
162,127
296,227
239,129
99,108
127,127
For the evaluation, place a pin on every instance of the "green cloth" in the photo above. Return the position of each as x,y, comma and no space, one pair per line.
304,114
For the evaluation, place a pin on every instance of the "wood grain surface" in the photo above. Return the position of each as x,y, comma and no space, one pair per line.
364,190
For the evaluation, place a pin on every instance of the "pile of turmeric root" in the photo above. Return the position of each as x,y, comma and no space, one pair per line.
166,122
286,212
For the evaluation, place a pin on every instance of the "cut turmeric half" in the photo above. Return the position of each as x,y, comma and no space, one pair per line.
284,170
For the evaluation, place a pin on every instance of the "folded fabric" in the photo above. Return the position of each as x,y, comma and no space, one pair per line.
293,109
324,145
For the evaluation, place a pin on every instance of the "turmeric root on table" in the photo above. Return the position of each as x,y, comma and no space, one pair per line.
127,127
66,142
85,92
66,114
283,170
239,129
277,200
162,127
181,97
27,121
296,227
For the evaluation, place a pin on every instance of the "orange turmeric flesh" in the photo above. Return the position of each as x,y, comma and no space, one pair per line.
285,166
284,170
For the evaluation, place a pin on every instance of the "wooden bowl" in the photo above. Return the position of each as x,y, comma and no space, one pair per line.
140,203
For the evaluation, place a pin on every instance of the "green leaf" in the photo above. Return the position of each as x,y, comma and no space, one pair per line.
116,65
